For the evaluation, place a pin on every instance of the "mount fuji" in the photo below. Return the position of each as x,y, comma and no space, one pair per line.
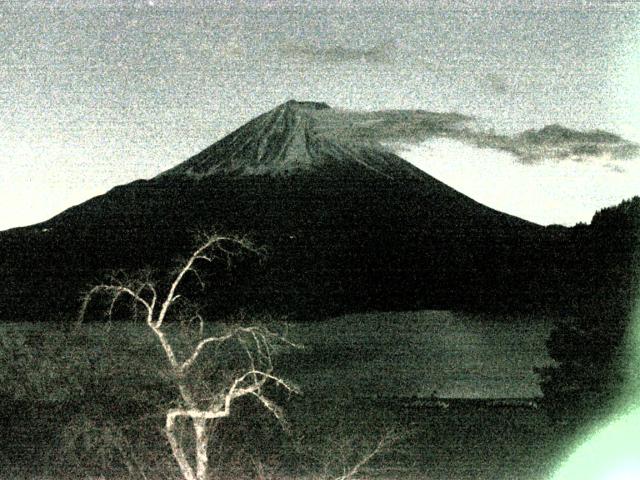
348,226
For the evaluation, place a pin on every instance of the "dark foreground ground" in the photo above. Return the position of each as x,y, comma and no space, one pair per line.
467,440
81,404
464,441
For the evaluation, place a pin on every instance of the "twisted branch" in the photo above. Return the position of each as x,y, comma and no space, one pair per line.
256,341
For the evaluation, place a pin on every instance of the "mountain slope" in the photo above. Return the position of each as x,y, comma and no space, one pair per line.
349,227
288,140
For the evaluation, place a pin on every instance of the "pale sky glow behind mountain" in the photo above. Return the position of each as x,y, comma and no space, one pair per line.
99,93
552,191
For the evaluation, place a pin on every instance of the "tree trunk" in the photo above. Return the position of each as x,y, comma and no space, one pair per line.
178,452
202,441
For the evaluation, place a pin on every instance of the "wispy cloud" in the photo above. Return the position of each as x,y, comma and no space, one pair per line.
395,128
389,126
557,142
497,83
380,53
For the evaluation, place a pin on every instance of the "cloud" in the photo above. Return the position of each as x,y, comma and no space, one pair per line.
389,126
400,129
381,53
497,83
556,142
549,175
614,168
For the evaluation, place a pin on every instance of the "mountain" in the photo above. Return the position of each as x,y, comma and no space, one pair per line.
299,138
348,225
281,141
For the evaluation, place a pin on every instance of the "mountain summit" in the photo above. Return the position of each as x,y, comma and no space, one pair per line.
278,142
293,138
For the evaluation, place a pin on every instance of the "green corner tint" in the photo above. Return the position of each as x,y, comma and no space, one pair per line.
612,451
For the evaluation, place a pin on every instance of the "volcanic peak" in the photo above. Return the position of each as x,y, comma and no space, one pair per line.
304,105
274,143
292,138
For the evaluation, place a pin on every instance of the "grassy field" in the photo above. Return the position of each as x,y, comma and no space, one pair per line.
416,353
361,375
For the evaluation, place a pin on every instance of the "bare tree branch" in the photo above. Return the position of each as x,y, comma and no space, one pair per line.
200,253
201,344
257,342
387,439
197,275
273,408
116,291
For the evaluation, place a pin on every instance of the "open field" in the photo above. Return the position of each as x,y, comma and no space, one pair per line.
361,375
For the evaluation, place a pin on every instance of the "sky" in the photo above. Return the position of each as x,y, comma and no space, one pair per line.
94,94
549,191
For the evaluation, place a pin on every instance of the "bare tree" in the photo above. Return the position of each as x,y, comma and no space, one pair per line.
257,343
384,442
342,459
